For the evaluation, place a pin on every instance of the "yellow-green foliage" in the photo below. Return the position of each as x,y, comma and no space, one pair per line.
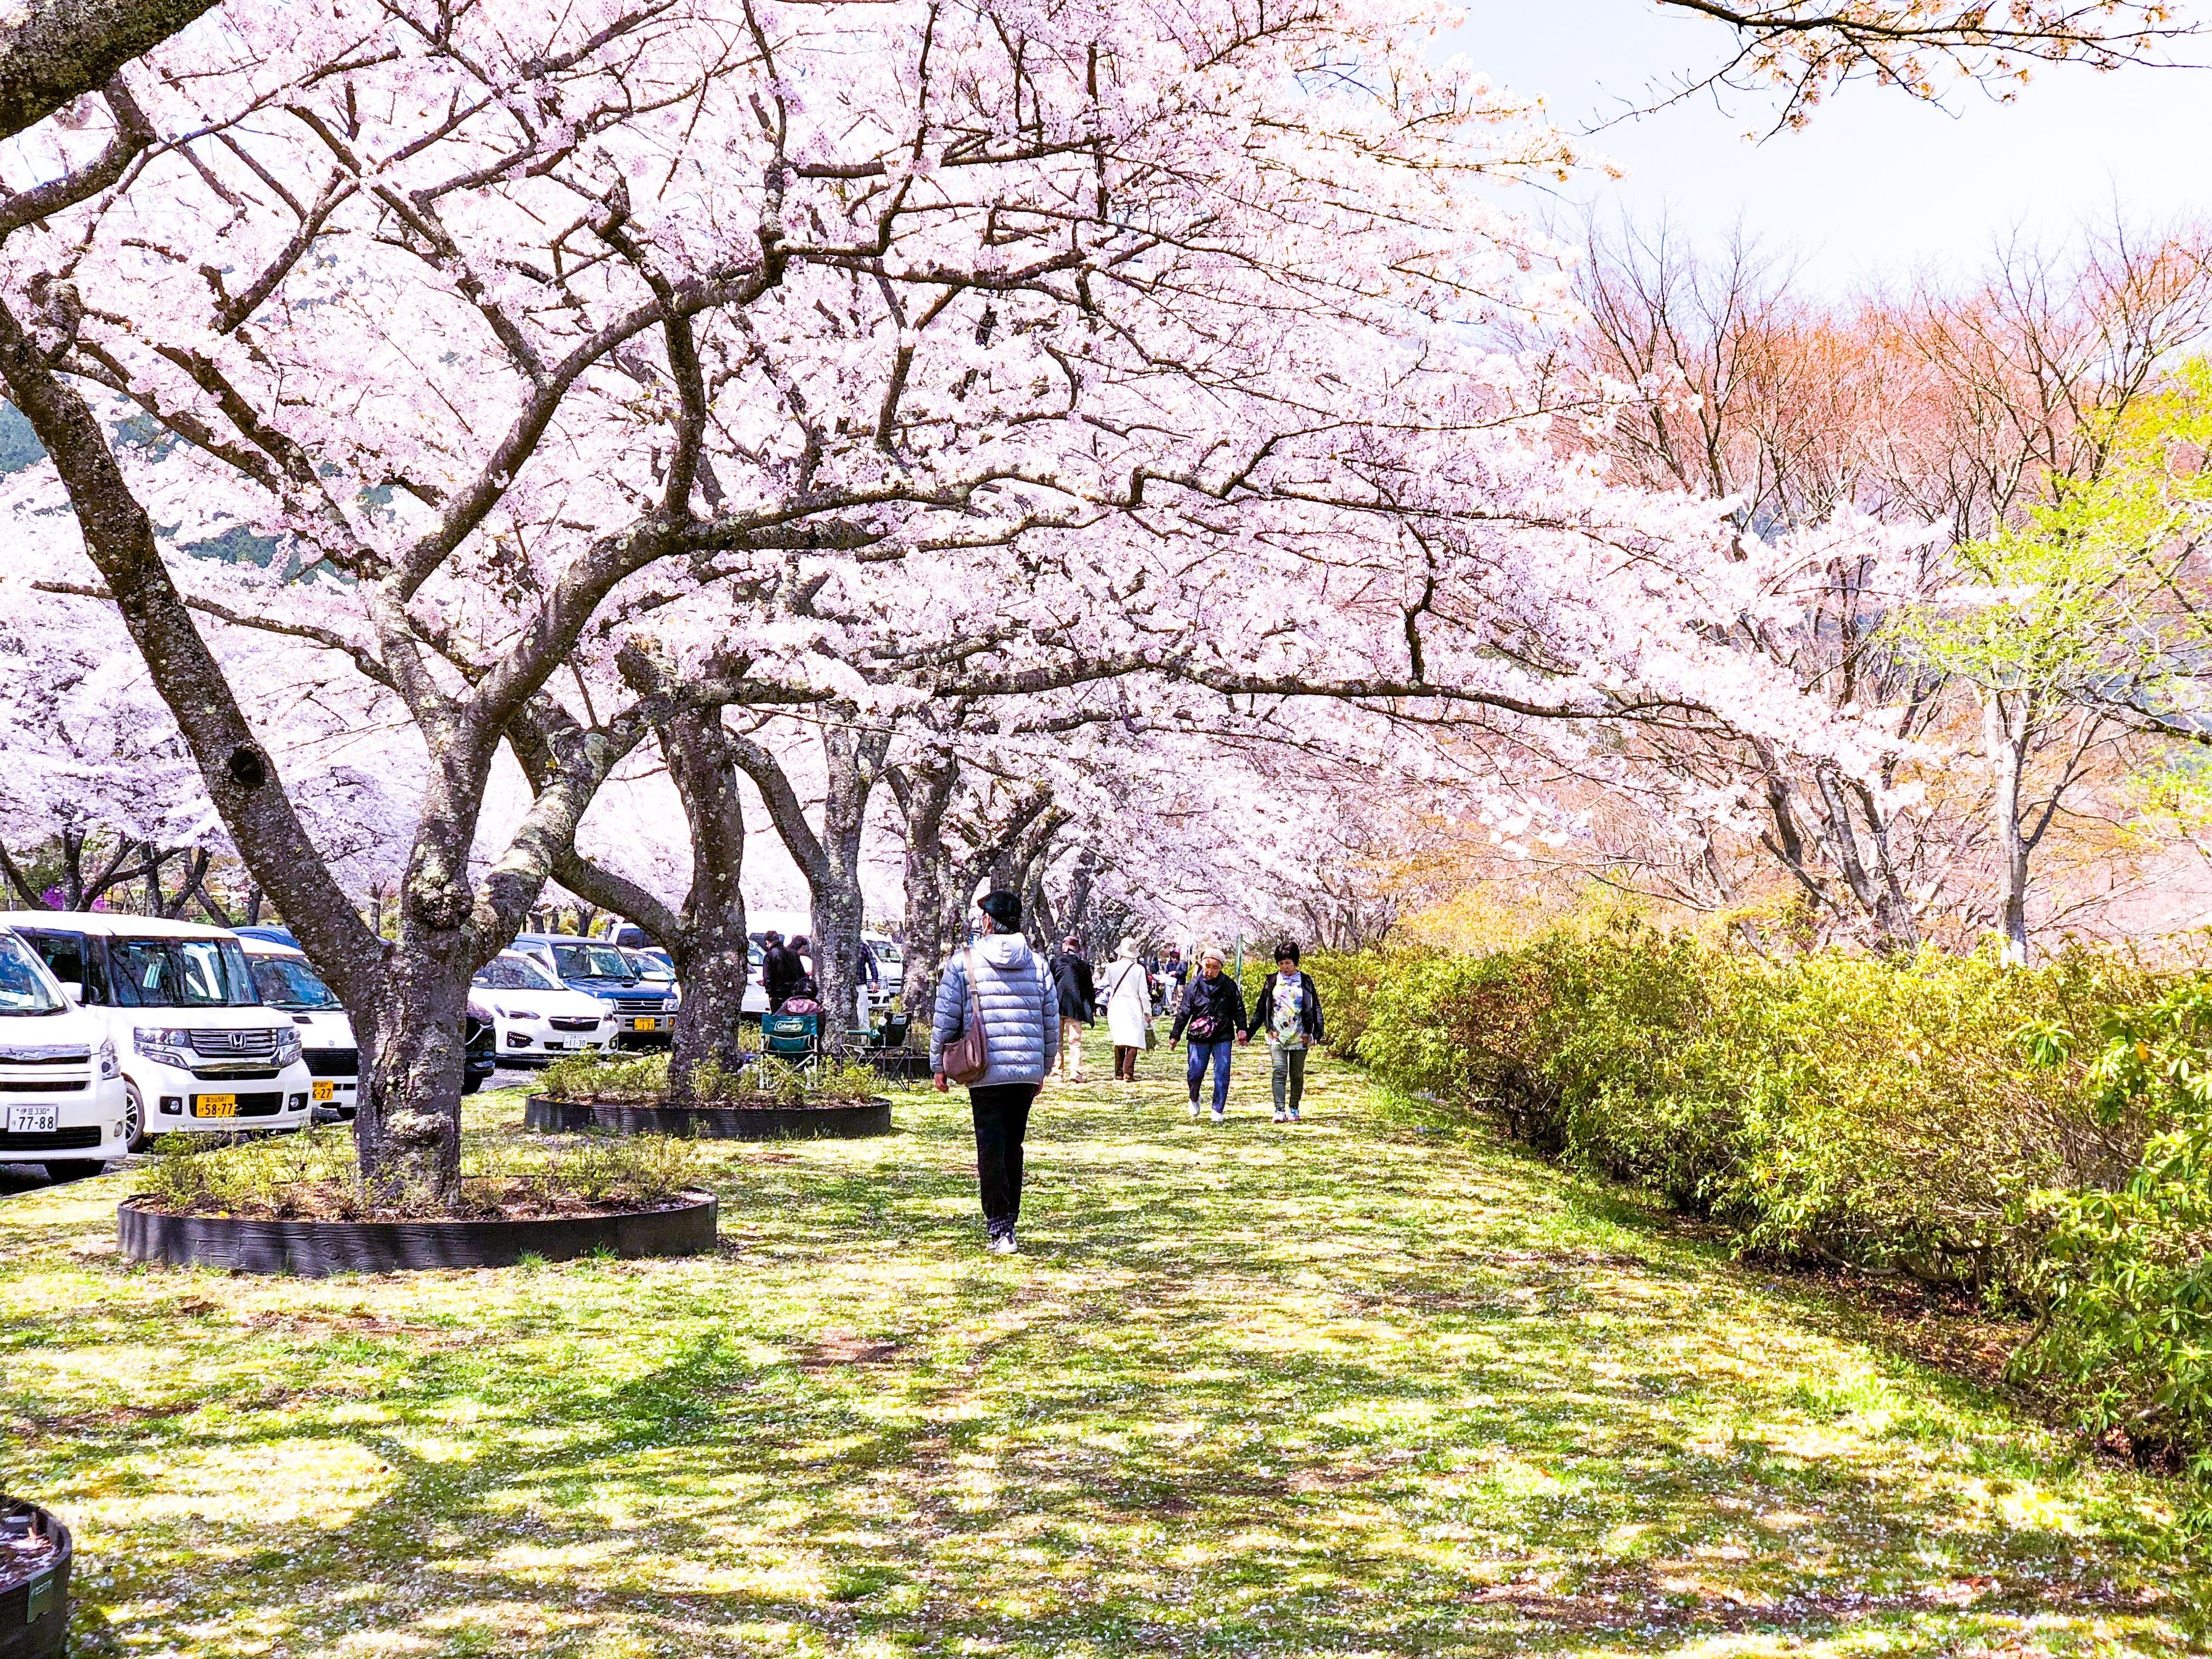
1889,1114
317,1175
766,1081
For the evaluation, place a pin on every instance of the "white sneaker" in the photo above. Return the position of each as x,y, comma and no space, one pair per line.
1194,1109
1221,1117
1003,1244
1281,1116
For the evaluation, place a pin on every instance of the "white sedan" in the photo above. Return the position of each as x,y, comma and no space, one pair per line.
536,1020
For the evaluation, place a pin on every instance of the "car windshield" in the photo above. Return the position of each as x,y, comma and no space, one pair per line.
512,973
646,965
885,951
289,982
591,961
181,973
26,987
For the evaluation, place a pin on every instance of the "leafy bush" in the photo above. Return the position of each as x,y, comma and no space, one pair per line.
2128,1272
1889,1115
316,1175
767,1081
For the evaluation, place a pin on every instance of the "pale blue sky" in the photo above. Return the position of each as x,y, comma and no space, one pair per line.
1879,185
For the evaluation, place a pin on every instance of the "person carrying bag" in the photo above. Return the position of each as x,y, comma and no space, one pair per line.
996,1028
1212,1012
1128,1011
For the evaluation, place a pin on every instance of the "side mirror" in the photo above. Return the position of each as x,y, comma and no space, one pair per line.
74,990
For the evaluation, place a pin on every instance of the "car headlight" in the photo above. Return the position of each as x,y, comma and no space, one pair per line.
288,1046
164,1045
109,1065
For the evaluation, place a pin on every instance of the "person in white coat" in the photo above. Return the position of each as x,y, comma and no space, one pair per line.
1129,1009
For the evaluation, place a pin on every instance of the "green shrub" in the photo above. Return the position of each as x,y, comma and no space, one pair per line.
1886,1114
2127,1272
315,1175
618,1076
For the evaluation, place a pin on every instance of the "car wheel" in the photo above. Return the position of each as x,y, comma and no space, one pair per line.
137,1137
73,1169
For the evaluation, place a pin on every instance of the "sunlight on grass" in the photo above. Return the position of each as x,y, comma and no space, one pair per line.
1369,1386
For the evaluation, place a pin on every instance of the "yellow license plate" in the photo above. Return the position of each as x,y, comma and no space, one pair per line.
640,1025
325,1092
214,1106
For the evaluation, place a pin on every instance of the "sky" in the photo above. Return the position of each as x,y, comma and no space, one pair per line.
1879,185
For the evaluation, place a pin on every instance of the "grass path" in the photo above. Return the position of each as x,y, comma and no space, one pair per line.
1370,1386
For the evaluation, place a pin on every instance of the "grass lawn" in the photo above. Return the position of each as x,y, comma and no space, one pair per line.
1368,1386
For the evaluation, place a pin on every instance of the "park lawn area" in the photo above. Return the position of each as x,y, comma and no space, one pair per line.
1371,1385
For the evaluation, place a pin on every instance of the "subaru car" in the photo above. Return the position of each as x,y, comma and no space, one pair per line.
535,1019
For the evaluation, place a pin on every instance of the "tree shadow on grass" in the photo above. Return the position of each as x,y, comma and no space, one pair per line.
1358,1391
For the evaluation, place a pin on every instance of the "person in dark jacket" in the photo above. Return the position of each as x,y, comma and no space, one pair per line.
1078,1005
1288,1009
781,970
1212,1012
1011,990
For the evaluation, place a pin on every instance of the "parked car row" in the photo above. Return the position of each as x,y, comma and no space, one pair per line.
115,1029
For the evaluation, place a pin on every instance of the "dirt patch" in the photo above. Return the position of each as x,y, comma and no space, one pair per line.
849,1351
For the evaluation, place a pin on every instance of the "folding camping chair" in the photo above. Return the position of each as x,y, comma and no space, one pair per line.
795,1039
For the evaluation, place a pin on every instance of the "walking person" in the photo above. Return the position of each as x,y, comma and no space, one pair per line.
1078,1005
1288,1009
1128,1010
1212,1013
1017,1003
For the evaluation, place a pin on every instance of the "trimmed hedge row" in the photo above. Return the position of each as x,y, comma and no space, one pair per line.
1890,1115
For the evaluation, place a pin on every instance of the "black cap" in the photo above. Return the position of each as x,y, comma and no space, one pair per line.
1003,908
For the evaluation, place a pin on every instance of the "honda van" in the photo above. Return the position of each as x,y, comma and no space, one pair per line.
201,1053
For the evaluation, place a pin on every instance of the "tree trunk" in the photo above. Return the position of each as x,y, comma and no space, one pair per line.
407,1118
2006,722
712,953
925,792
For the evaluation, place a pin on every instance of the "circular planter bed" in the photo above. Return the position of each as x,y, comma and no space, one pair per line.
35,1554
315,1249
845,1121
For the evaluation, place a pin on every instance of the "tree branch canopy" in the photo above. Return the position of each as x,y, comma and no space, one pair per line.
1809,47
52,51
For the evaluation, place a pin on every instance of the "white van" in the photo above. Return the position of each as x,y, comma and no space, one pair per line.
200,1052
286,980
62,1100
535,1019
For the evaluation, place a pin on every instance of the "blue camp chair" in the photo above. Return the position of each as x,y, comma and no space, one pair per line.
795,1038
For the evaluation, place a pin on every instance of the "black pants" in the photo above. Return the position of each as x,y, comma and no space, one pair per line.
1002,1119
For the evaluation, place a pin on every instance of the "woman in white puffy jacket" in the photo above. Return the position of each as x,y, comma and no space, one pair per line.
1015,995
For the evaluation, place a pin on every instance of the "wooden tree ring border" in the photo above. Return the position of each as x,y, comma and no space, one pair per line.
44,1634
316,1249
854,1122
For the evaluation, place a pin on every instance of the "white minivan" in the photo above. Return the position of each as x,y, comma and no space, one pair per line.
287,979
62,1100
200,1052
